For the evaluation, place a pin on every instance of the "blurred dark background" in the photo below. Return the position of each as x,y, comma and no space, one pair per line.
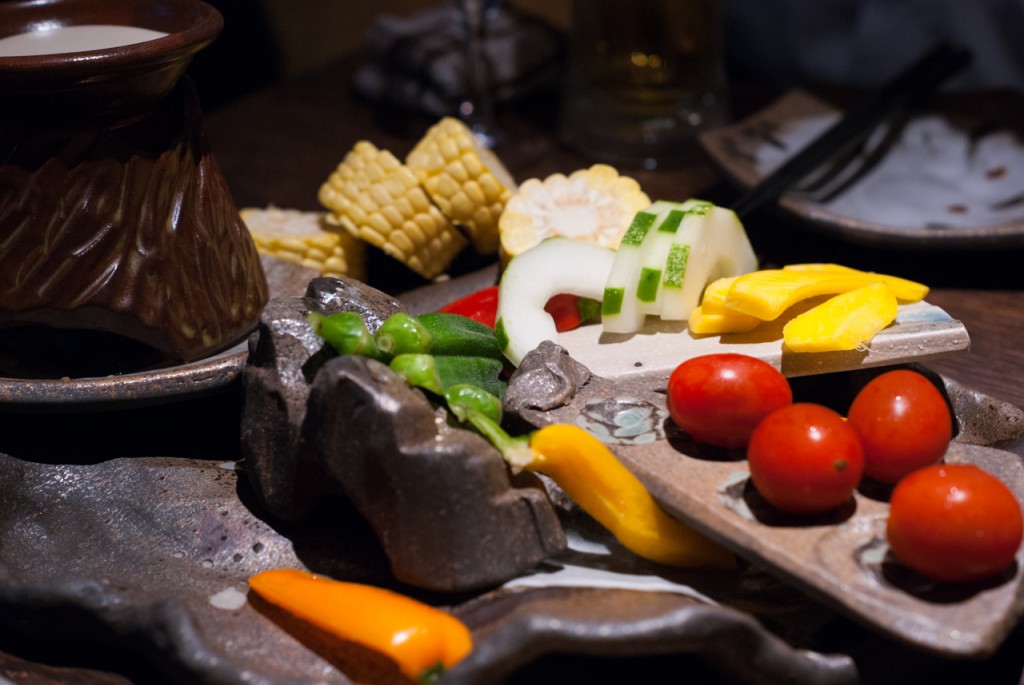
265,40
782,42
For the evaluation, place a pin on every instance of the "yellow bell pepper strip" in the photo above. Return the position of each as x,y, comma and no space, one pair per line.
843,322
905,290
597,481
420,639
705,323
712,317
768,293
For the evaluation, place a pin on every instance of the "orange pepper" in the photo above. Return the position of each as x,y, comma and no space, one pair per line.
416,636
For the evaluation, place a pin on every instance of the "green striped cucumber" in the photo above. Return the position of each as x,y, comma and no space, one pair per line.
715,245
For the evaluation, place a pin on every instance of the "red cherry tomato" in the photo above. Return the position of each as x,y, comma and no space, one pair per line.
805,459
719,398
954,523
903,422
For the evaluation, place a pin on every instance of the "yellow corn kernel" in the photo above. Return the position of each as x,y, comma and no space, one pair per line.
306,238
468,182
375,197
595,204
843,322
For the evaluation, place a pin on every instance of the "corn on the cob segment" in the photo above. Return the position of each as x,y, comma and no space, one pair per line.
595,204
466,181
306,238
378,199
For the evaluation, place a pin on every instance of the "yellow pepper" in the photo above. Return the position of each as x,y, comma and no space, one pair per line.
598,482
593,477
420,639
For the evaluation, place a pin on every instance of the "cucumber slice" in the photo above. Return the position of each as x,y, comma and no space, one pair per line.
660,262
712,246
552,267
620,312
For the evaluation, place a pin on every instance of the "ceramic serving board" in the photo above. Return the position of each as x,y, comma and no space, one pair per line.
921,331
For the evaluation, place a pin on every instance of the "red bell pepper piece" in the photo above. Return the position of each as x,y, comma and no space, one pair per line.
481,306
568,311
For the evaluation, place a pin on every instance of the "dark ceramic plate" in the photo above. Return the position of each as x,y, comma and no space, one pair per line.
949,177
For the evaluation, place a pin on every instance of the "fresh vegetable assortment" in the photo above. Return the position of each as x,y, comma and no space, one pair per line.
457,360
592,247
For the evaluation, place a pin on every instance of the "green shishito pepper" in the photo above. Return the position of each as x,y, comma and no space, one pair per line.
482,410
430,351
436,333
439,373
346,332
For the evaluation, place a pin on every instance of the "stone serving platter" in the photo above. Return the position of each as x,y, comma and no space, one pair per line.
840,558
152,555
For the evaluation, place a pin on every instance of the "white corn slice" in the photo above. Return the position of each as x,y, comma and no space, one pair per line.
464,179
378,199
595,205
306,238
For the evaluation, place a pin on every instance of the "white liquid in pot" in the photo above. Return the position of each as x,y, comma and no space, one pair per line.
64,39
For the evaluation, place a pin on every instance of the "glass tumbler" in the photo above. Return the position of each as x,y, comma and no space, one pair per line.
644,78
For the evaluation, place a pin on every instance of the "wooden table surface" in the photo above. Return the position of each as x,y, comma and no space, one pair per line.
276,147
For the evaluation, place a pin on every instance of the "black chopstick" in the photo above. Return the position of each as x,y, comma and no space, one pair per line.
908,87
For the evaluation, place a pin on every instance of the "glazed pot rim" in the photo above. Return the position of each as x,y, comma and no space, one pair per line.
190,26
